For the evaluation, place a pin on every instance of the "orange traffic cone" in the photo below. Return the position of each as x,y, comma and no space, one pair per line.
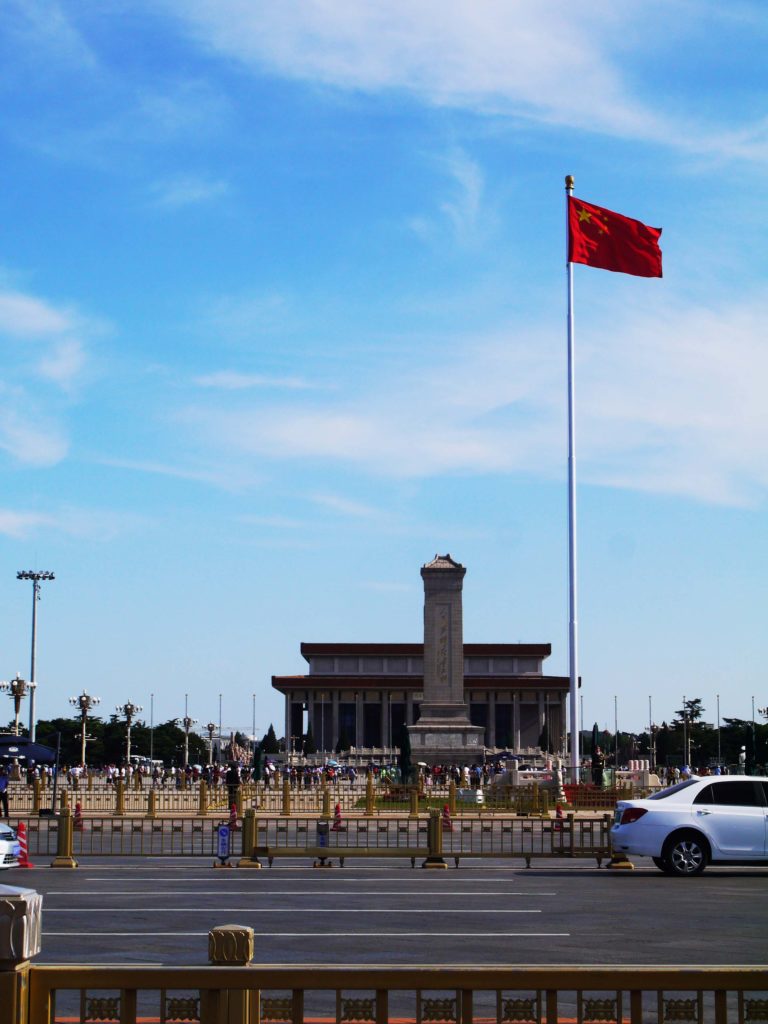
559,815
336,826
77,821
233,826
447,823
21,834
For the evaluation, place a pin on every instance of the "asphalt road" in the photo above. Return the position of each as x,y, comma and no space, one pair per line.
159,911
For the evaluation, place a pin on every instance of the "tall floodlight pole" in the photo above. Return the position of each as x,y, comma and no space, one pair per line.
211,727
718,730
253,729
186,723
37,577
151,727
219,718
129,710
650,732
84,703
573,635
17,690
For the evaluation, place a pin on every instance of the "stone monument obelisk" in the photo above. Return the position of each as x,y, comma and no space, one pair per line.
444,733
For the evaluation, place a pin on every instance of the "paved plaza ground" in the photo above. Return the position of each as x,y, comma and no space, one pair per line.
159,911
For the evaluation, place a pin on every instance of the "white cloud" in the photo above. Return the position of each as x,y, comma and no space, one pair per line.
29,439
227,478
345,506
669,399
64,363
231,380
26,316
188,191
43,342
93,524
547,60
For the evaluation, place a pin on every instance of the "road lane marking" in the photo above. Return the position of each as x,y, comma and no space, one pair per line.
287,892
325,935
272,910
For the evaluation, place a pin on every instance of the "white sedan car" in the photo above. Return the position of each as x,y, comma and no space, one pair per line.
709,820
9,847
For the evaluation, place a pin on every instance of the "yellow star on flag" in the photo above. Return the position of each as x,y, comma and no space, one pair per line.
584,215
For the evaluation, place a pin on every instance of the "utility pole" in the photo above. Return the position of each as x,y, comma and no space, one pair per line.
36,577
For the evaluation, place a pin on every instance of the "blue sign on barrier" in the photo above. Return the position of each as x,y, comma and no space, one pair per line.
224,839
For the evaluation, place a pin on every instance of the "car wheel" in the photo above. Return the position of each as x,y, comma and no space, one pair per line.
685,853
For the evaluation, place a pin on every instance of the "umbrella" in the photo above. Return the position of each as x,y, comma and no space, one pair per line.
22,749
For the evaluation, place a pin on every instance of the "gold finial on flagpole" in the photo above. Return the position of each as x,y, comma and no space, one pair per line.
569,182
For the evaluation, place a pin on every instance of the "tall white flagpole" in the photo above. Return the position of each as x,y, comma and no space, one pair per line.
573,637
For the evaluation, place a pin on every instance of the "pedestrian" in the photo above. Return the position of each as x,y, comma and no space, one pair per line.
598,767
4,793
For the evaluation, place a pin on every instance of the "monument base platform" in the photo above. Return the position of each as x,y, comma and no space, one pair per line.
446,741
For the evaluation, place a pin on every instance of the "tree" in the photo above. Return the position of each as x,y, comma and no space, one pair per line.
310,747
404,757
269,744
545,743
343,743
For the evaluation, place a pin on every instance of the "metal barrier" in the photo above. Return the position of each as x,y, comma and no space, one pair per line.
99,837
434,836
235,991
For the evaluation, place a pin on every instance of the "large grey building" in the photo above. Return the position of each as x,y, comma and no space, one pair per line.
367,692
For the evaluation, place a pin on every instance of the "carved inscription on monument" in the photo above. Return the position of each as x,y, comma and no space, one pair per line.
443,615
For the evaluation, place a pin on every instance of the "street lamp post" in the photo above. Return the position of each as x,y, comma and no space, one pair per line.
129,710
36,577
211,728
84,703
186,723
17,690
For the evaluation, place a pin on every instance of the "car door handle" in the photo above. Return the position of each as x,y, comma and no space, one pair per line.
703,812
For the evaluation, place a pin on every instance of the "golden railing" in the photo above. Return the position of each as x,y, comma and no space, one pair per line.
265,994
369,797
435,836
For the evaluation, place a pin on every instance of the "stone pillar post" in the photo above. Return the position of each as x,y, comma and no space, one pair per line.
286,798
249,859
119,798
152,804
64,858
35,796
230,945
20,928
202,797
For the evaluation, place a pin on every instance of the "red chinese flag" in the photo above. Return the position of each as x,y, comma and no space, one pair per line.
607,240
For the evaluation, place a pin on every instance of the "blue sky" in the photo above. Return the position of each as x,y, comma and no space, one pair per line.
282,312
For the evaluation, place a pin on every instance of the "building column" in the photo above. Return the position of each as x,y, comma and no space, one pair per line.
516,721
334,720
542,711
386,700
409,707
359,731
491,718
287,732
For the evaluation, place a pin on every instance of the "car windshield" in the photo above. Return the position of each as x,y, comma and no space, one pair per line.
664,793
